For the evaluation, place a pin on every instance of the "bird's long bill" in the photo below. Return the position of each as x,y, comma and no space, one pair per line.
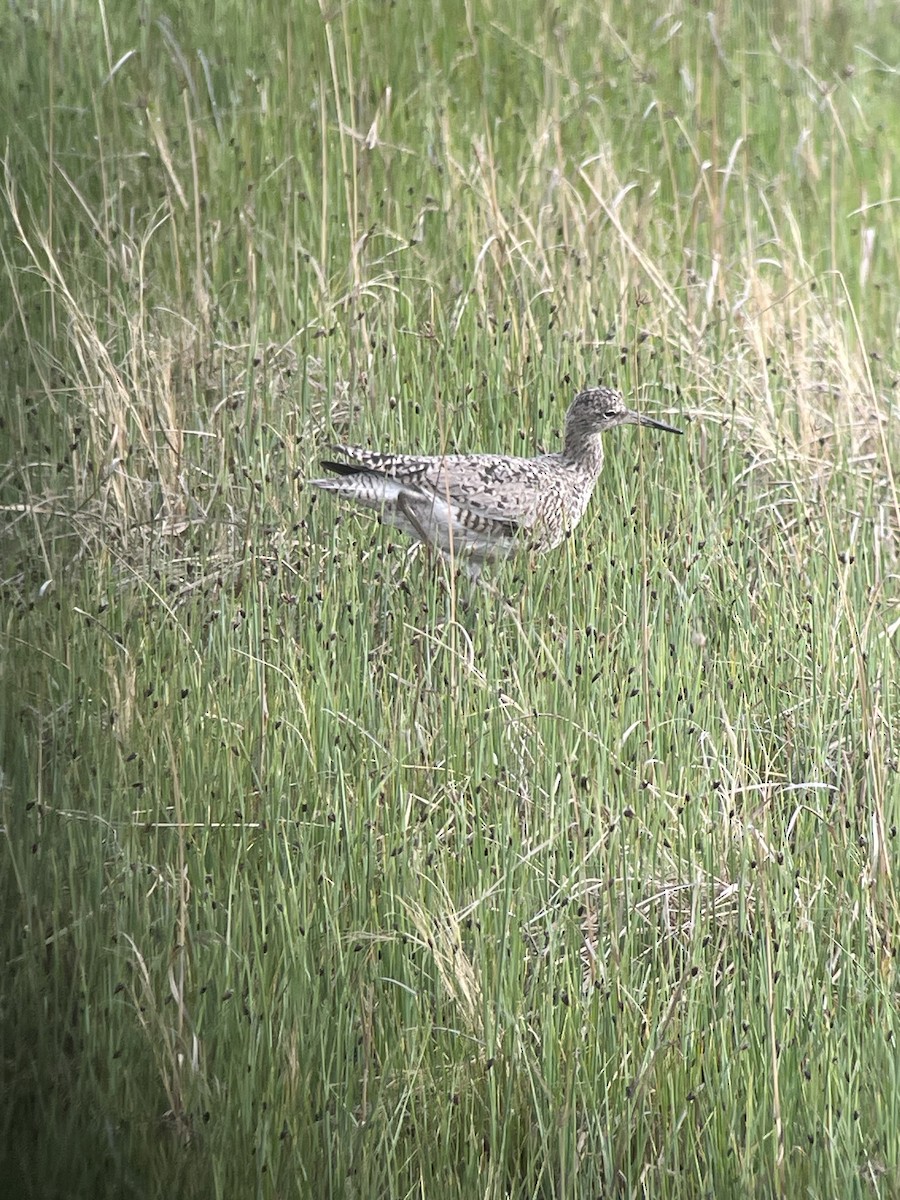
640,419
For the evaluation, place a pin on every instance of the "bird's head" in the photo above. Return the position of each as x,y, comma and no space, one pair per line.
598,409
591,413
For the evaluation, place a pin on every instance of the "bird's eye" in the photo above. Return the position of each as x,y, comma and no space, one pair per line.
610,412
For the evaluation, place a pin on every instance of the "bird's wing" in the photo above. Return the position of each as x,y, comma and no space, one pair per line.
491,487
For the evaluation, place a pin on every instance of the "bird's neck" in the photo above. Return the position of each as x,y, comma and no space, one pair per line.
585,452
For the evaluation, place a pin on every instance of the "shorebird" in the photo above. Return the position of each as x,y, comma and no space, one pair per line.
475,508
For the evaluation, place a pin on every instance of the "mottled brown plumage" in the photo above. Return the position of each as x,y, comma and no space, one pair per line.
479,507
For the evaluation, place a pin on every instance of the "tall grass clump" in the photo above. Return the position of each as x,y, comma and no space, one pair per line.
324,874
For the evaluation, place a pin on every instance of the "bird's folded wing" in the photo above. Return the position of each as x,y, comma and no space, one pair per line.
490,487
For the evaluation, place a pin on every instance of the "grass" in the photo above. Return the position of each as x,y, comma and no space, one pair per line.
316,884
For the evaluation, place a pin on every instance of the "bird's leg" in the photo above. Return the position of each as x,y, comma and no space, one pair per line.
471,567
409,512
465,565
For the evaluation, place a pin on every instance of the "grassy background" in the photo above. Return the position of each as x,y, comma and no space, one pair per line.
311,885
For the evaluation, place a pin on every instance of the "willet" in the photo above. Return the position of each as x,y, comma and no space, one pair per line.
475,508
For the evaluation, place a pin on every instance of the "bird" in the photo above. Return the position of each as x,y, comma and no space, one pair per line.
479,508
